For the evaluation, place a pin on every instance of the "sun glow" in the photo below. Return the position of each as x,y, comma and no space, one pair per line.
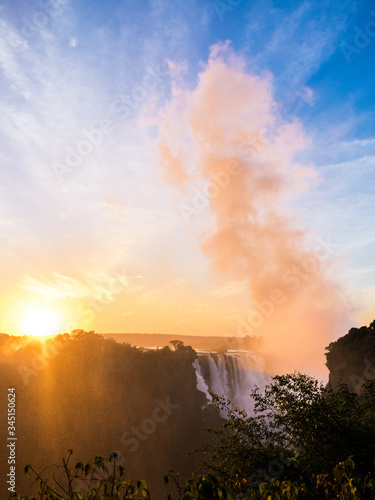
40,322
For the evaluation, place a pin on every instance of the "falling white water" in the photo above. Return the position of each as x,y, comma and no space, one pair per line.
201,384
233,375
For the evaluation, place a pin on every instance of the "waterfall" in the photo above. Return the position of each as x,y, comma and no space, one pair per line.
201,384
233,375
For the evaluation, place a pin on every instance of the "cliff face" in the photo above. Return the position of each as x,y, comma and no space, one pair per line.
352,357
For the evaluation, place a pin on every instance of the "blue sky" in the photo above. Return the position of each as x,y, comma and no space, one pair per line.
68,67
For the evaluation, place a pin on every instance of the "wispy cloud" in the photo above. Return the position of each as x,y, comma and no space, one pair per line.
296,40
115,206
230,289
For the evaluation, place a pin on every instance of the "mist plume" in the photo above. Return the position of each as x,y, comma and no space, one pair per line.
231,118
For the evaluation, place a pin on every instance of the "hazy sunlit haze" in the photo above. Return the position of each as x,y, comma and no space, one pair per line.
184,170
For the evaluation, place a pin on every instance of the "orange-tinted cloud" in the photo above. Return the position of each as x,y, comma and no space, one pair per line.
231,118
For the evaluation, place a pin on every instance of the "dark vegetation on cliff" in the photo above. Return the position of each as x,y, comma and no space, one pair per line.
211,343
99,396
352,357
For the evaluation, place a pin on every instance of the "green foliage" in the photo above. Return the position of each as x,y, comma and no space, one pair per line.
98,479
343,483
300,429
206,487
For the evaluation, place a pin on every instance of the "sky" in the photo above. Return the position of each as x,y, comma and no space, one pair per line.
189,167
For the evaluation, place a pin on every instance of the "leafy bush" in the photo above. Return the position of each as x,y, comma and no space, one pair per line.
97,480
300,429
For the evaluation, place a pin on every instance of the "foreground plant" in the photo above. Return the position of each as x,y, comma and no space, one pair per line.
98,479
299,429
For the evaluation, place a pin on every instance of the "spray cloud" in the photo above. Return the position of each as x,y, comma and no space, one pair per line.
231,119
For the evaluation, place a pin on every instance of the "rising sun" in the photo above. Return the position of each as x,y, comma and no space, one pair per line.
38,321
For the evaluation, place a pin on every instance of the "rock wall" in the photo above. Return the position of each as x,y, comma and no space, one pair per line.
352,357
